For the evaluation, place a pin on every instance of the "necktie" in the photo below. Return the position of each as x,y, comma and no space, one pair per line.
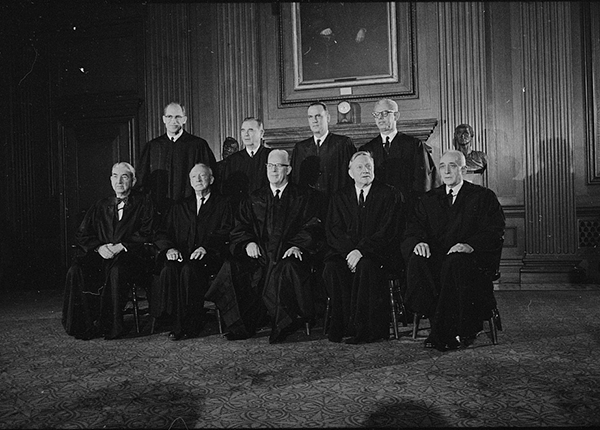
277,196
318,146
120,207
361,199
387,145
450,197
172,139
251,154
201,204
120,202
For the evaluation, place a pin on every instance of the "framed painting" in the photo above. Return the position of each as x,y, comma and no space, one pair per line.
325,47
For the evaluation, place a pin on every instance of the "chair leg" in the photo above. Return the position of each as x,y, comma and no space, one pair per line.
416,320
326,317
136,315
152,325
393,306
307,328
495,325
219,320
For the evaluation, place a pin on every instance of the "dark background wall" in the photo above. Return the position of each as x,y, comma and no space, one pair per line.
83,85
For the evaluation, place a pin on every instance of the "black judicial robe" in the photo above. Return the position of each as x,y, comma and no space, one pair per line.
183,285
164,167
450,289
91,276
408,166
327,170
239,174
244,285
359,301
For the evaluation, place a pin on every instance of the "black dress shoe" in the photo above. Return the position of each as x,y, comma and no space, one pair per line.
353,340
335,339
466,341
113,336
453,344
237,335
176,336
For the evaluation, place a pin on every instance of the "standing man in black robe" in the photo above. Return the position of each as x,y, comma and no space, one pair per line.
166,160
401,160
109,255
321,161
453,241
193,243
270,244
244,171
361,229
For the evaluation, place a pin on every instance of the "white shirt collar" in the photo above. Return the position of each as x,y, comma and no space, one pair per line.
198,198
321,139
177,136
365,190
391,135
280,188
248,150
455,189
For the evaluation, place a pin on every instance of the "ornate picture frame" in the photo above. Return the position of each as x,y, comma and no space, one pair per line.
350,50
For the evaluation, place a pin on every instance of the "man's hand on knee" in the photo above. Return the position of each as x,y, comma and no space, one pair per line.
422,250
461,247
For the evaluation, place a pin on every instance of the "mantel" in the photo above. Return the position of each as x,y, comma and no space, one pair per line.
286,138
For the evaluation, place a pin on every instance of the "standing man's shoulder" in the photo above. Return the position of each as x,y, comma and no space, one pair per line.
375,142
340,138
407,139
159,139
188,137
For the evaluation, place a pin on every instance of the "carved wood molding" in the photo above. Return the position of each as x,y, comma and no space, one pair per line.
286,138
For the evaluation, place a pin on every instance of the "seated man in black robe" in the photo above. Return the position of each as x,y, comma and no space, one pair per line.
110,254
362,227
450,244
270,243
192,240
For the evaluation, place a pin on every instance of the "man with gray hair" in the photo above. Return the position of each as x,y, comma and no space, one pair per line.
401,160
362,227
452,245
193,243
271,243
109,255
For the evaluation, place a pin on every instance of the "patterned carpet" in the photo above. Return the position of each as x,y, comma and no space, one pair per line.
544,372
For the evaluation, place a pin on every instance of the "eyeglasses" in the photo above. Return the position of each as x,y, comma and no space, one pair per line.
277,166
383,113
170,117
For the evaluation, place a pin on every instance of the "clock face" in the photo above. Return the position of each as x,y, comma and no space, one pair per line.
343,107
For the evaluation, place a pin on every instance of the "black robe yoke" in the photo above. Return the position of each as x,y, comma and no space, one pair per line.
182,285
408,167
90,275
283,285
164,167
326,171
239,174
456,301
359,300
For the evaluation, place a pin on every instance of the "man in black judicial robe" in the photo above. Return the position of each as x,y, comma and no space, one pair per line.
244,171
166,160
269,271
321,161
404,162
193,243
109,255
451,245
362,227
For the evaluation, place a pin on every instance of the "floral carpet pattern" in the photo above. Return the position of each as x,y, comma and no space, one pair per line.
545,371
